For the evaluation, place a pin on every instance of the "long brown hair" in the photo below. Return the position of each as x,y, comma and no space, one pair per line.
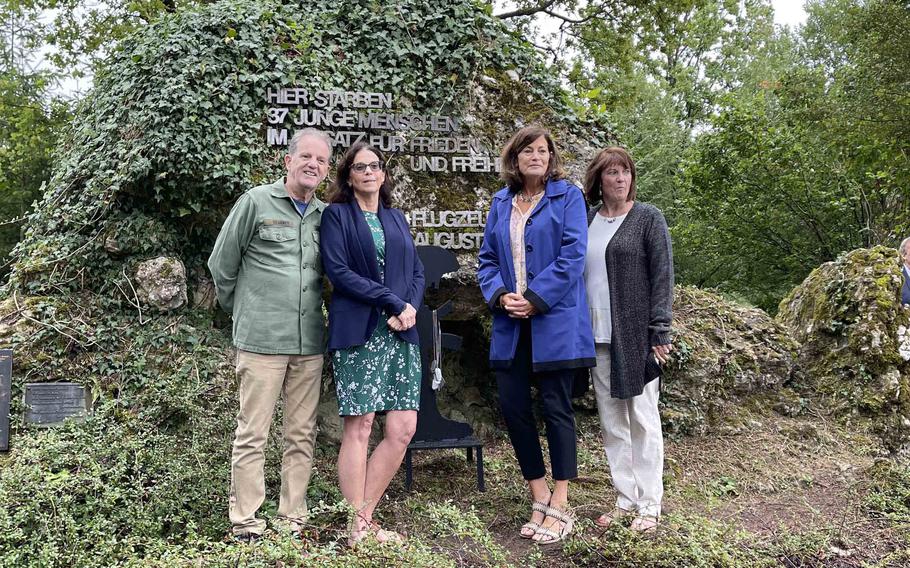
614,155
515,145
342,192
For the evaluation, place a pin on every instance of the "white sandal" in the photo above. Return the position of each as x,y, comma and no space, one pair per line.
645,524
550,536
531,525
614,516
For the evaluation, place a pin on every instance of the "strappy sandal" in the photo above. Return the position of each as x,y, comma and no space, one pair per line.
383,535
531,525
548,536
607,519
645,524
361,534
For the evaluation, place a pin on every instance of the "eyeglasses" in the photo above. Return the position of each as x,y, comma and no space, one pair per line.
361,167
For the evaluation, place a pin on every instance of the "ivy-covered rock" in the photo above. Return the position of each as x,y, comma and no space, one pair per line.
175,128
855,347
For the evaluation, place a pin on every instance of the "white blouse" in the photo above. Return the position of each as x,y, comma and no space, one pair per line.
597,285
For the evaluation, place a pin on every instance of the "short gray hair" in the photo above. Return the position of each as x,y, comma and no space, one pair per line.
903,248
311,132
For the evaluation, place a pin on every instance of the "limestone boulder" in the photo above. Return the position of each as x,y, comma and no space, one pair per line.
855,344
727,357
161,283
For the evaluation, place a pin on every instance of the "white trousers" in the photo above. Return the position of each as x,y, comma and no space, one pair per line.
633,440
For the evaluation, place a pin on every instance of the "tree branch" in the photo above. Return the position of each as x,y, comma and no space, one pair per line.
541,6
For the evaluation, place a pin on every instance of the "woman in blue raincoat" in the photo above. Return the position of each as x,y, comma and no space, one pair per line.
530,272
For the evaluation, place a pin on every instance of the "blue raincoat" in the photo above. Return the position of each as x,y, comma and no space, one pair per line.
556,238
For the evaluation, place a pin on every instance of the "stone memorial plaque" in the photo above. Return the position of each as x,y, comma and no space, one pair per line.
6,376
49,404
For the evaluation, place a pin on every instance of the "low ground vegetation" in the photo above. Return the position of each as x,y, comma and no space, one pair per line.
791,491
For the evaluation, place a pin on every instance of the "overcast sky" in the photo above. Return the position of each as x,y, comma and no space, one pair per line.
789,12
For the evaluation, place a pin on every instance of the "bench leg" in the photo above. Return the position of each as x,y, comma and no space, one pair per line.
470,454
408,470
481,485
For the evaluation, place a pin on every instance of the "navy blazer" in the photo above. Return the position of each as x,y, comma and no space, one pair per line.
360,298
905,290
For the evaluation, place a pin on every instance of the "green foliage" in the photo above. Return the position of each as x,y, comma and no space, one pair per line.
96,493
889,495
692,542
30,126
755,222
807,161
100,492
79,35
689,48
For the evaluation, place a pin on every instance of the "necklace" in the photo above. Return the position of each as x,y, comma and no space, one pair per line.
611,219
528,199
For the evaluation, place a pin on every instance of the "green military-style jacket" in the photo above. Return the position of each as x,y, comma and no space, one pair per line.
268,273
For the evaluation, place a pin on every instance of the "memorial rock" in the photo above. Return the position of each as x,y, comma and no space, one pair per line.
174,132
175,129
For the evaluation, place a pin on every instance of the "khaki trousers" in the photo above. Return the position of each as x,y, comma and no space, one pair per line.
296,379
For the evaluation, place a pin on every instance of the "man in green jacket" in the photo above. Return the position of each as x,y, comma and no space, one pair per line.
268,275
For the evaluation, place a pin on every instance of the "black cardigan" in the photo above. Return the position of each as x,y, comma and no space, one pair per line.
639,262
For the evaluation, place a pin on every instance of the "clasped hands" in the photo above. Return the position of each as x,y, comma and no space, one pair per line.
516,306
405,320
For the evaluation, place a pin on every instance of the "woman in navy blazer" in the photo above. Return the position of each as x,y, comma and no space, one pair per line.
530,272
377,285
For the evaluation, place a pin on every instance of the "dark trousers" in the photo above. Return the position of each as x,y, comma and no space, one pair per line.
555,388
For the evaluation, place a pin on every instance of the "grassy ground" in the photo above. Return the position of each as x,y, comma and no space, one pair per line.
790,492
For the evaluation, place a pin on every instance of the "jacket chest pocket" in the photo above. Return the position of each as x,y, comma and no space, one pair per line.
277,234
278,246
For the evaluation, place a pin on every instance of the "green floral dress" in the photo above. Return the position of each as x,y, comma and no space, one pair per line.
384,374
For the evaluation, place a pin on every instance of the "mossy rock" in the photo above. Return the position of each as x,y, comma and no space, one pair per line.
726,355
852,328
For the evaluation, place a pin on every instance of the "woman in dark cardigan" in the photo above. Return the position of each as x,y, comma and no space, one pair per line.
629,282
